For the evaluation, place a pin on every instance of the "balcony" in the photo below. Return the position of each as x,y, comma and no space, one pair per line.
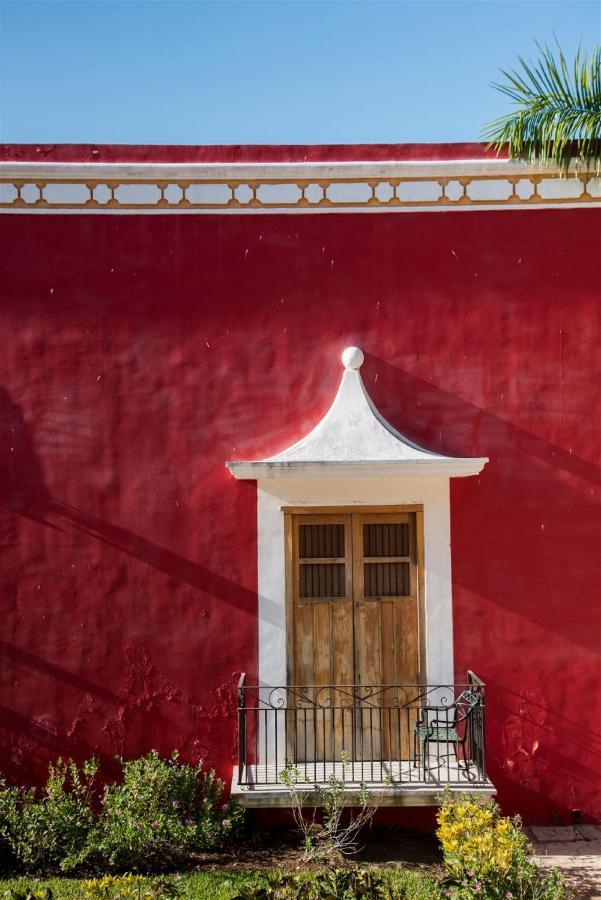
405,743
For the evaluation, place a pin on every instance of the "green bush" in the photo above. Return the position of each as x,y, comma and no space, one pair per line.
51,830
162,812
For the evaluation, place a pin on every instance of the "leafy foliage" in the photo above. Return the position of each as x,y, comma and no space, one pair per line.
487,855
48,831
326,841
349,883
130,887
557,110
163,811
413,884
8,807
29,893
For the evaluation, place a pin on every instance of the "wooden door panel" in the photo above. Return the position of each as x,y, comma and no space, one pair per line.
304,670
354,620
385,589
407,661
322,613
406,642
343,673
322,655
368,672
389,676
303,737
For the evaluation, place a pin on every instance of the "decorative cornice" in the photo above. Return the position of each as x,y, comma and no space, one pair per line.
294,187
354,440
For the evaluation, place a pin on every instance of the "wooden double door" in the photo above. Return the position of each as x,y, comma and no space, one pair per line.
353,631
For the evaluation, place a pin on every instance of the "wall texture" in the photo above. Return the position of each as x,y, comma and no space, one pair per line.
139,353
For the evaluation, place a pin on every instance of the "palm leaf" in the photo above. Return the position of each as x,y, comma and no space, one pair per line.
557,110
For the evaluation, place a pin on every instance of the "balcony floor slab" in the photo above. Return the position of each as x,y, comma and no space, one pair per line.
389,783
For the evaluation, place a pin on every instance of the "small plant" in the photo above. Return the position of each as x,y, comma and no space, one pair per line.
49,830
347,883
487,855
163,811
130,887
28,893
325,841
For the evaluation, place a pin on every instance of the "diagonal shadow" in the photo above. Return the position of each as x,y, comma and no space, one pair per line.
28,742
23,492
523,499
20,656
42,735
450,424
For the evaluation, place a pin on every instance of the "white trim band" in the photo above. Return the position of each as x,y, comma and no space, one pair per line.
290,187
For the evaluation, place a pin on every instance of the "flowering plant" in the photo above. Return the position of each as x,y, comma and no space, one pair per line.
44,829
130,887
487,855
163,811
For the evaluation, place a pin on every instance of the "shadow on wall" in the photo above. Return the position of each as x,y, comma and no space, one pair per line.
455,426
547,762
23,492
529,493
543,739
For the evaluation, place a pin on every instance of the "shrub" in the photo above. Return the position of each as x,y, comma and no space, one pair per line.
50,830
326,842
487,855
163,811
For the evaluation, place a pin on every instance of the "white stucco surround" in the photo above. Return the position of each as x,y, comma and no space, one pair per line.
433,493
354,458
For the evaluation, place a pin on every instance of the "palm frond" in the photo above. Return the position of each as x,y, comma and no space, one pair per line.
557,110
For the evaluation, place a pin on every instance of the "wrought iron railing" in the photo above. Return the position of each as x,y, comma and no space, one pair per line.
383,734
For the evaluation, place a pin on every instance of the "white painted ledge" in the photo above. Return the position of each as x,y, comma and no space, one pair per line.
450,467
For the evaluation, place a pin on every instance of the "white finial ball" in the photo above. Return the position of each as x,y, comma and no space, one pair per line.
352,358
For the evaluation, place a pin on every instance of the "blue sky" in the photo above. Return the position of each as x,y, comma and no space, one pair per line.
267,72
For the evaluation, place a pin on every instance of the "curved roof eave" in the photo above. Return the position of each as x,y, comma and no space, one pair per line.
354,439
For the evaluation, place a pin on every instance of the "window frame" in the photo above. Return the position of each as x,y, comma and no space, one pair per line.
322,519
360,560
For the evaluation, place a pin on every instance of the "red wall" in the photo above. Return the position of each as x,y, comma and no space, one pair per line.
241,153
141,352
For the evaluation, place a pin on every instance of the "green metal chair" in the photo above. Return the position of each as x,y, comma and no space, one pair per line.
454,730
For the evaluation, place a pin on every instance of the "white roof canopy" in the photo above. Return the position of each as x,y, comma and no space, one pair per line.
353,439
